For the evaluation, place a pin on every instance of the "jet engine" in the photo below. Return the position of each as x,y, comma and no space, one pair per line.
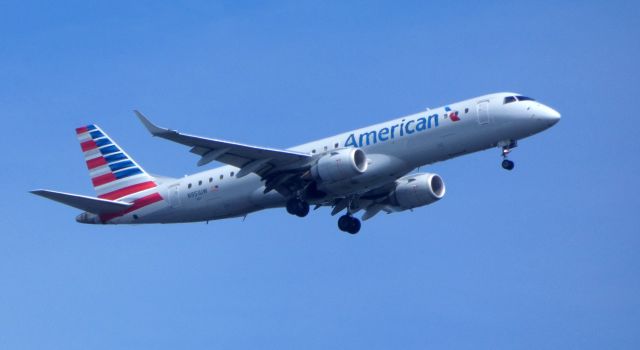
340,165
417,190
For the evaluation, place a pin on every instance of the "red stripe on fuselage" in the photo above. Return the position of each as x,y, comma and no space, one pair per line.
88,145
103,179
137,204
96,162
128,190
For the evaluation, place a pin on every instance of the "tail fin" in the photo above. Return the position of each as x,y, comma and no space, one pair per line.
113,173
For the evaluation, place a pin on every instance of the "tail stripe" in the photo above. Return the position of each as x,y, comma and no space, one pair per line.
109,150
96,162
137,204
123,192
103,179
121,165
127,172
88,145
113,157
113,173
96,134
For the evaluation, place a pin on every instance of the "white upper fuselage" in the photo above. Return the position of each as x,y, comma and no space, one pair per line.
393,149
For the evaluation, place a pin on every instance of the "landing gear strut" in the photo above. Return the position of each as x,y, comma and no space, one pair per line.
506,149
297,207
348,223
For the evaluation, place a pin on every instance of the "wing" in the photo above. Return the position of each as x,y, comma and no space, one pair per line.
250,159
86,203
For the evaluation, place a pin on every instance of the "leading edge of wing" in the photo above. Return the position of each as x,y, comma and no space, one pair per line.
248,152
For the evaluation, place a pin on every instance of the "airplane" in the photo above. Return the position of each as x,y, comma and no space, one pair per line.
369,170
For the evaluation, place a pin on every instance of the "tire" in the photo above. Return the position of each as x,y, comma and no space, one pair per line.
507,164
303,209
354,226
343,223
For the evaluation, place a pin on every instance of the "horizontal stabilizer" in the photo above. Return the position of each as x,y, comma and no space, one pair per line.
88,204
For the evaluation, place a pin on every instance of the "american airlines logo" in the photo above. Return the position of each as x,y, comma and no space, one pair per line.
398,130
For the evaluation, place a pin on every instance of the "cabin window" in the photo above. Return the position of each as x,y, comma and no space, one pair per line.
325,148
200,183
336,145
466,110
313,151
210,180
232,173
221,176
189,186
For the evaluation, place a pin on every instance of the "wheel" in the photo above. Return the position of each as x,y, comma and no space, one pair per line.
507,164
303,209
297,207
292,206
348,223
354,226
343,222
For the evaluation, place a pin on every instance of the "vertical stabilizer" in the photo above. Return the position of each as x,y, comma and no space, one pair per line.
113,173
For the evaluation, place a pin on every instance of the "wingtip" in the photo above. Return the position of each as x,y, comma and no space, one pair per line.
153,129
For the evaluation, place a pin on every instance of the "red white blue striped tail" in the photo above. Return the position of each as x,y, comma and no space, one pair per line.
113,173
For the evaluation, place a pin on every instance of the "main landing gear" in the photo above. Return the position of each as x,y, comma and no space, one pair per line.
348,223
297,207
506,149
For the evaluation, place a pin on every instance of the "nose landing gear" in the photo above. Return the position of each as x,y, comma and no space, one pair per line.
506,149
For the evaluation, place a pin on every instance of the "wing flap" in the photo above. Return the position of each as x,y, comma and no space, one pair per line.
86,203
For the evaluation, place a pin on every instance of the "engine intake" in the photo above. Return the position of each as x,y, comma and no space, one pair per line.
417,190
340,165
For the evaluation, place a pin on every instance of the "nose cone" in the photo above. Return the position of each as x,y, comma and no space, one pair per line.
547,115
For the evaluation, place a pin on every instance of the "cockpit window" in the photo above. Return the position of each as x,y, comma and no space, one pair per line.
509,99
524,98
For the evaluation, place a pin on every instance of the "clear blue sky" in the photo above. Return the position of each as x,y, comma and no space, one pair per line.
544,257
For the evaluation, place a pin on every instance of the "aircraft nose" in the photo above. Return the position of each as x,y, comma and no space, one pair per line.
547,115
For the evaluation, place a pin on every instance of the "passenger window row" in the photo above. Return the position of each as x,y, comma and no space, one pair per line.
231,174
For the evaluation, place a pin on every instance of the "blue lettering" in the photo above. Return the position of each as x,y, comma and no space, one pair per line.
407,129
351,141
369,134
389,133
422,124
393,128
435,118
383,134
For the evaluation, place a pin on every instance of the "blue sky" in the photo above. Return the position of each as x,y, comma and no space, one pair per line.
544,257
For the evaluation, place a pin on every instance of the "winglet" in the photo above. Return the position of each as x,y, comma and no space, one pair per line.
153,129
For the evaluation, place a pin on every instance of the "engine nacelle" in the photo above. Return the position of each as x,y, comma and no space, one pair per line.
417,190
340,165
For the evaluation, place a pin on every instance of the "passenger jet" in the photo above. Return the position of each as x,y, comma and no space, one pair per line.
368,170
